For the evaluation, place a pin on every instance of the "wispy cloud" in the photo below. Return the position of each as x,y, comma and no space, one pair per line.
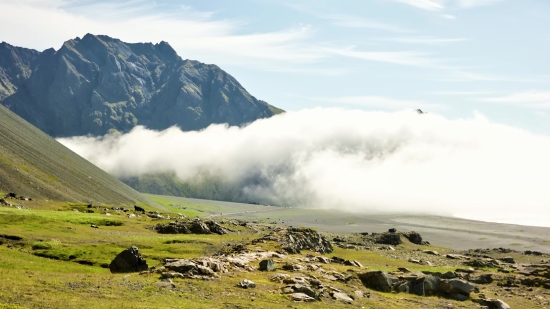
349,21
430,5
194,34
408,58
424,40
531,99
379,102
460,93
461,75
466,4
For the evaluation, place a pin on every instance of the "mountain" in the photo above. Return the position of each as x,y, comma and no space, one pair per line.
35,165
98,84
15,68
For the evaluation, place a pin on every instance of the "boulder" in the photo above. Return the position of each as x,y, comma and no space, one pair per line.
481,279
432,252
180,266
492,303
199,227
456,286
353,263
414,237
378,280
323,259
302,297
342,297
267,265
129,260
388,239
216,228
425,286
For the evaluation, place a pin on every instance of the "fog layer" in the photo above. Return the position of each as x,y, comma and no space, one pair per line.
401,162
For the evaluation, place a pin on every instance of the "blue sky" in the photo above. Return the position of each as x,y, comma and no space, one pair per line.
450,57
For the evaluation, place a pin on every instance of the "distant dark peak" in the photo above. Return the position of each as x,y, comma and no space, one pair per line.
89,36
166,49
49,51
419,111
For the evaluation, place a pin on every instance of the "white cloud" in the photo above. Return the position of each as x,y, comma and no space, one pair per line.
352,160
448,16
430,5
530,99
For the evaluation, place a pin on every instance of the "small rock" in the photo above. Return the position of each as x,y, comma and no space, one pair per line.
246,284
432,252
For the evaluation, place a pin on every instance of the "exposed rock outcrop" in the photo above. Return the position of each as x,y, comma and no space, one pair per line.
293,240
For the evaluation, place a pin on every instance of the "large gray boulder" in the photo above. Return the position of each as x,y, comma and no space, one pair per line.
180,266
378,280
127,261
456,287
267,265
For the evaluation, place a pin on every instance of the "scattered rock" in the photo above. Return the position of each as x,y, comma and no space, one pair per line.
246,284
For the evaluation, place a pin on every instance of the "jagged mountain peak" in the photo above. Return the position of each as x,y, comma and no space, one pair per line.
98,84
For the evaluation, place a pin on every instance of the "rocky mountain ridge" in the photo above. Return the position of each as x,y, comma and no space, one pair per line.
97,85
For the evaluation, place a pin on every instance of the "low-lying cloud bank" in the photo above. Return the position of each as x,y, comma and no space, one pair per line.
352,160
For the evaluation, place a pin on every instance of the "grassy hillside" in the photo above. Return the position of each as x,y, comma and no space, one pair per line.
203,187
32,164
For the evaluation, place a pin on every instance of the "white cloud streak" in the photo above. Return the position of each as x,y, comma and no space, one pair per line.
379,103
430,5
351,160
530,99
424,40
466,4
349,21
408,58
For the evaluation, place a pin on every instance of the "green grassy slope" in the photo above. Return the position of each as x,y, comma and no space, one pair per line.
35,165
202,186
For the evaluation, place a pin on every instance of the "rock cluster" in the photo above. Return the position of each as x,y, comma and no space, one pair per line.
196,226
293,240
419,284
395,238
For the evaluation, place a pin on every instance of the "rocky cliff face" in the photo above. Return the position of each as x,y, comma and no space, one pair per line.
97,84
15,67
